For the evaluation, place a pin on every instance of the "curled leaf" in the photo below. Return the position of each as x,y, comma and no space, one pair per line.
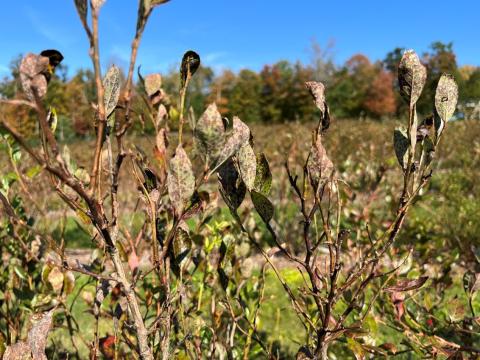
111,84
319,164
407,285
180,180
153,84
190,64
412,76
33,70
446,97
317,90
55,57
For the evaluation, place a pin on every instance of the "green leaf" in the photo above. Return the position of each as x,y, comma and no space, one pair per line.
22,274
111,84
33,171
180,180
263,177
247,164
412,76
69,282
446,97
263,206
210,133
190,64
401,145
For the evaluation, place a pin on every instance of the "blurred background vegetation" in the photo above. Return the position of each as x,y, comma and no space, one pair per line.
357,89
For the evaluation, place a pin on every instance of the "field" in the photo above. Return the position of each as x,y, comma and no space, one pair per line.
442,227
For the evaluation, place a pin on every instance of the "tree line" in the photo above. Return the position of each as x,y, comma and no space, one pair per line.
359,88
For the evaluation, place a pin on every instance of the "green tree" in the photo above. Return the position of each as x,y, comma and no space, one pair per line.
245,96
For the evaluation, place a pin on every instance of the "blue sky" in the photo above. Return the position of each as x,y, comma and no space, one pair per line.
241,33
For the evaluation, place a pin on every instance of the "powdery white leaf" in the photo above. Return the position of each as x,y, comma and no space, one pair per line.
317,90
210,133
240,136
247,164
180,180
446,97
111,84
412,76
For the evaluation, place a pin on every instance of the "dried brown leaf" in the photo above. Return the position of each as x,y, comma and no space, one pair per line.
412,76
317,90
111,84
180,180
153,84
446,97
32,75
319,164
